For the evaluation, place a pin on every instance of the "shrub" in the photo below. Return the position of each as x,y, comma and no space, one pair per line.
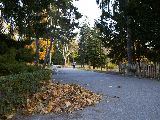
16,68
3,47
111,65
14,89
24,55
8,64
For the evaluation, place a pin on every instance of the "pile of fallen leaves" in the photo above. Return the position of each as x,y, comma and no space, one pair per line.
56,97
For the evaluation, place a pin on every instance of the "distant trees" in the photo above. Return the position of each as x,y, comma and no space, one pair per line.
90,47
66,53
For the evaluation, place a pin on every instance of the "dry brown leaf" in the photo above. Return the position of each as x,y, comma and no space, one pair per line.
67,103
50,106
57,97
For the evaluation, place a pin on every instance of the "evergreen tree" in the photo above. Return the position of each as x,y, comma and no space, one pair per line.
130,29
90,45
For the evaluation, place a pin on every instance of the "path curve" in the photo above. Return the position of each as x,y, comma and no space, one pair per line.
124,98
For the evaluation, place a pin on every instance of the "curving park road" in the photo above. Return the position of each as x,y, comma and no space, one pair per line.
124,98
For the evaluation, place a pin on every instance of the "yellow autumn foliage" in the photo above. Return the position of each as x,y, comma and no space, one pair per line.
43,45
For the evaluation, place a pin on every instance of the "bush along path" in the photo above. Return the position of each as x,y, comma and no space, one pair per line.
31,95
16,89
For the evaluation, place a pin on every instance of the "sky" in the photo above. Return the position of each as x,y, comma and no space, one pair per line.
88,8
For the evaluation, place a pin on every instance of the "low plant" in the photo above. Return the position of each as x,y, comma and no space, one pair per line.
8,64
111,65
14,89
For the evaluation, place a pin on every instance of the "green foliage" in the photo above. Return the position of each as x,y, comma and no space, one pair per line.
11,50
14,89
25,55
8,64
6,42
90,45
57,58
141,17
16,68
111,65
3,47
40,19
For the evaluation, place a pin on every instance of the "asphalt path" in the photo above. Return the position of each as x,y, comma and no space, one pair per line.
124,98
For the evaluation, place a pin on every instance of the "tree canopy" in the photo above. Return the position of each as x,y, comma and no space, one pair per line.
37,19
90,47
141,17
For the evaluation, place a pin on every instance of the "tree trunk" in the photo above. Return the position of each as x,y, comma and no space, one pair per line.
48,53
68,61
37,52
48,56
65,61
129,45
45,59
129,41
94,67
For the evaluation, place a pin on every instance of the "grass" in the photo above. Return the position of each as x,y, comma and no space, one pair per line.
103,70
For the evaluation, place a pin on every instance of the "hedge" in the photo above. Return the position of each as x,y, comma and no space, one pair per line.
14,89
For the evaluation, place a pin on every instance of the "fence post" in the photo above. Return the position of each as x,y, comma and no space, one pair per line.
142,70
158,70
138,64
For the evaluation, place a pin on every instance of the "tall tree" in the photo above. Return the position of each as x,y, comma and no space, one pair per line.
90,51
133,26
39,19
